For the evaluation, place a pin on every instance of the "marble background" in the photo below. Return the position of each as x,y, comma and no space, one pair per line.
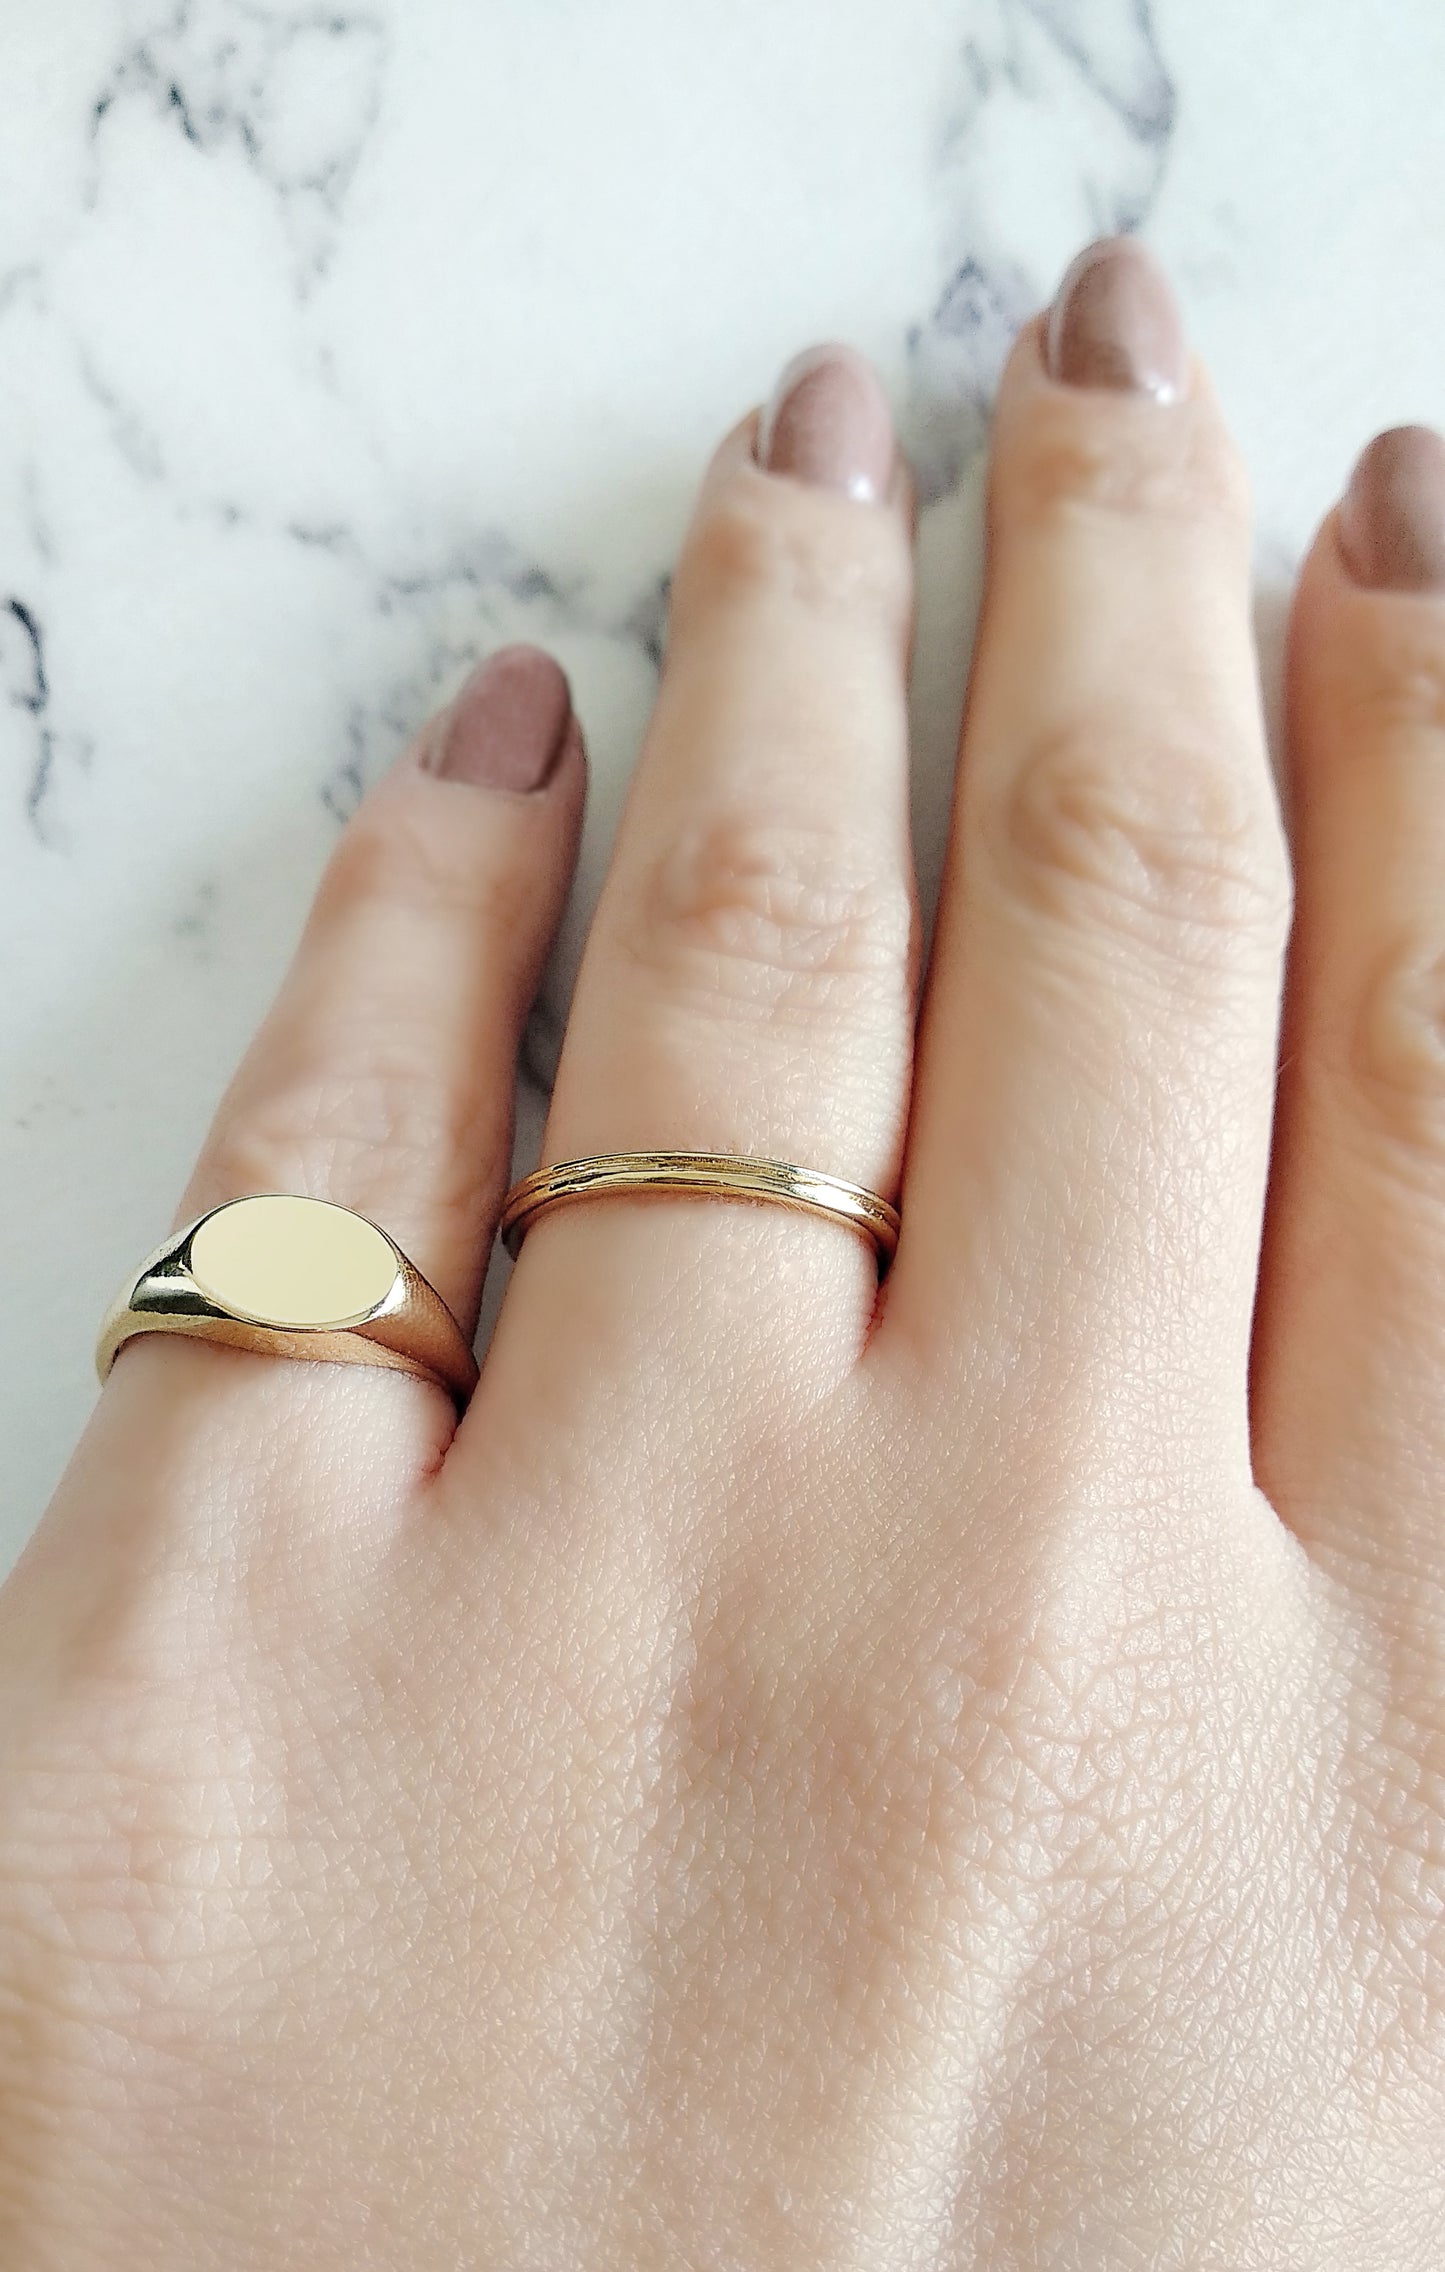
341,343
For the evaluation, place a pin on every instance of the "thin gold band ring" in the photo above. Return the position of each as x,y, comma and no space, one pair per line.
717,1175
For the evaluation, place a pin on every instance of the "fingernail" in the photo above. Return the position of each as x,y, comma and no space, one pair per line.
507,728
829,424
1115,323
1392,515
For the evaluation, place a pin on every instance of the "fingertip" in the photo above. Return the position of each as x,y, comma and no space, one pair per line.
1115,325
1389,524
1126,453
507,727
828,424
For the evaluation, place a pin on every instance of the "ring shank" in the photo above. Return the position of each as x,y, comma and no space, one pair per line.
719,1175
353,1347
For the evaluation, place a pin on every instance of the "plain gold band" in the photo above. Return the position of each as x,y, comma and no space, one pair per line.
717,1175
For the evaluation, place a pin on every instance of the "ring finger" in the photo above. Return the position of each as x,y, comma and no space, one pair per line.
747,985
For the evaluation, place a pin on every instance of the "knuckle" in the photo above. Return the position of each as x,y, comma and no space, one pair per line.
1145,832
382,856
1398,1057
1395,690
1072,456
348,1131
771,917
395,854
807,549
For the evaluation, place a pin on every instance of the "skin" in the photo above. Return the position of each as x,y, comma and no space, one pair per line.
805,1777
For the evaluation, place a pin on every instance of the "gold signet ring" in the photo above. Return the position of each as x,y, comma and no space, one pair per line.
294,1277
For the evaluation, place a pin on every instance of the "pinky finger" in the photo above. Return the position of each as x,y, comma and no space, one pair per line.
382,1078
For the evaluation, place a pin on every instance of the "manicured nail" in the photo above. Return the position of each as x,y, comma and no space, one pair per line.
1392,515
508,726
1115,323
829,424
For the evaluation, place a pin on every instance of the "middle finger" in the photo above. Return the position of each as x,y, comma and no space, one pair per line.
1096,1061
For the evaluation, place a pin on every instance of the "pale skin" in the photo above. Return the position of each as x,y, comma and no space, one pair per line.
807,1775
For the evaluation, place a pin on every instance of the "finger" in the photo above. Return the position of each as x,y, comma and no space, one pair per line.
1350,1344
747,984
382,1080
1096,1059
382,1077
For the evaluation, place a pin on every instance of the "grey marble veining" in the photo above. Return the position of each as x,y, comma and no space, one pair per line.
339,345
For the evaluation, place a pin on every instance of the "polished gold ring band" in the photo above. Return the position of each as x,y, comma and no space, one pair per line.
715,1175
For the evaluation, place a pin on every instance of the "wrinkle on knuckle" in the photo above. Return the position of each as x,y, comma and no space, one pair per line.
1136,831
795,549
399,856
340,1130
1397,1058
1070,460
1396,693
770,916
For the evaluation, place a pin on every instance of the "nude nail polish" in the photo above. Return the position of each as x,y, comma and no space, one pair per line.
508,726
1392,516
1115,323
828,423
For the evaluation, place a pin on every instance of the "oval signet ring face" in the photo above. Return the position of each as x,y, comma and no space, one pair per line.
280,1276
297,1263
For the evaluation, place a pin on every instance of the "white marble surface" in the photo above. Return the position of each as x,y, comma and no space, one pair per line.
338,344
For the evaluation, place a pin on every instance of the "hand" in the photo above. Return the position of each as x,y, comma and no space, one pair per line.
808,1776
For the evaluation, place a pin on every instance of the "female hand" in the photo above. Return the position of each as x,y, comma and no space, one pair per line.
808,1776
